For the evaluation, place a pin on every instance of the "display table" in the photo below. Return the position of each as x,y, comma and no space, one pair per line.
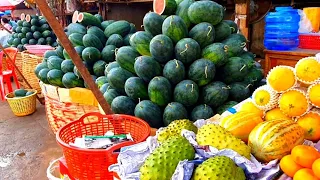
289,58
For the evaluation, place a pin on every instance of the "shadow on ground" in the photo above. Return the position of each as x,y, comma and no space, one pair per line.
27,145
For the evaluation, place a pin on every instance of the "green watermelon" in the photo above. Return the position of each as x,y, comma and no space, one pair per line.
90,40
54,77
119,27
249,61
110,94
149,112
147,68
46,33
206,11
234,70
17,41
166,7
221,109
98,16
65,54
141,41
174,71
49,53
186,92
91,55
76,39
29,35
101,81
54,63
126,40
116,40
238,36
88,19
99,67
43,75
175,28
39,67
105,24
203,33
215,94
234,46
133,28
202,71
239,91
136,88
201,111
21,35
41,41
182,11
97,32
76,28
79,50
187,50
89,67
37,35
174,111
118,76
20,92
25,41
152,23
70,80
59,52
254,76
104,87
216,53
26,24
222,31
108,53
161,48
233,26
67,66
159,90
123,105
110,66
126,56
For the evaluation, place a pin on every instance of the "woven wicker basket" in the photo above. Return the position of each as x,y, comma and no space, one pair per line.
22,106
29,63
66,105
19,66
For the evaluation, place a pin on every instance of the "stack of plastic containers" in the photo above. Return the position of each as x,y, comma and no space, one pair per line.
281,30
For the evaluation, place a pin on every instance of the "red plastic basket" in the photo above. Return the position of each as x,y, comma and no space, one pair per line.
92,164
309,41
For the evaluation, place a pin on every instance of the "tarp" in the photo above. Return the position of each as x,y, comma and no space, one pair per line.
9,4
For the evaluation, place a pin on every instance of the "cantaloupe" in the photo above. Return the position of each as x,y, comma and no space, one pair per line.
274,139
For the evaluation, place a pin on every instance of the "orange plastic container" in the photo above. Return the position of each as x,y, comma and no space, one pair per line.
92,164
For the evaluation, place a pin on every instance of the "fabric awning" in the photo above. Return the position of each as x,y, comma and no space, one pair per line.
9,4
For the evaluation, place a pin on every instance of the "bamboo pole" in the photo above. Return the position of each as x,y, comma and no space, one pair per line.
17,70
58,30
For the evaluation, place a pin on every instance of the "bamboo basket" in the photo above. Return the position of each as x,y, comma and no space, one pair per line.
66,105
22,106
29,63
19,66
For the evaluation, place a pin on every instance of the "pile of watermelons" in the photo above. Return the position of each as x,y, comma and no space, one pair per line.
94,41
32,30
188,63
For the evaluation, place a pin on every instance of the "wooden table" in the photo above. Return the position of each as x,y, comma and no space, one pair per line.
289,58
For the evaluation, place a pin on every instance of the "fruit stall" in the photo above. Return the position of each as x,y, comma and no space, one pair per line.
179,98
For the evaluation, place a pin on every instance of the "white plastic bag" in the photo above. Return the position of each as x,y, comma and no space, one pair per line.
305,25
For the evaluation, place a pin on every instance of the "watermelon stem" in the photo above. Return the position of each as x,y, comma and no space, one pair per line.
139,100
171,20
142,26
187,46
177,64
116,52
206,71
248,86
243,44
243,67
210,29
191,86
228,87
232,29
225,48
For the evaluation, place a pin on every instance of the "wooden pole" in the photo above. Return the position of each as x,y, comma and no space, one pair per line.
242,13
17,70
58,30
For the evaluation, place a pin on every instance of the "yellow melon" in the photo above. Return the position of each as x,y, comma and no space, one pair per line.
294,103
250,107
310,122
265,98
275,114
314,94
308,70
281,78
241,124
274,139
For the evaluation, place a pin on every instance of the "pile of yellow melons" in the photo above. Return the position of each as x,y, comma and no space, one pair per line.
291,93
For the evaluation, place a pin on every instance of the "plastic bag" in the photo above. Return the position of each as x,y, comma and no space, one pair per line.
305,25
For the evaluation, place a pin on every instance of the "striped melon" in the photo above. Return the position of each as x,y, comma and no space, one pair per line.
241,124
274,139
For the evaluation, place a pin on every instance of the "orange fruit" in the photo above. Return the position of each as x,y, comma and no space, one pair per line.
304,155
304,174
311,124
316,168
288,166
275,114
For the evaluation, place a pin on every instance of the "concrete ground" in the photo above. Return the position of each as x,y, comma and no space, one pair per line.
27,145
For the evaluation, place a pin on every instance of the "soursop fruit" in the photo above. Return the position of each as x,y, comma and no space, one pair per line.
162,163
218,168
175,128
218,137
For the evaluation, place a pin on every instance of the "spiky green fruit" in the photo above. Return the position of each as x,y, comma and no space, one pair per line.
218,137
175,128
162,163
218,168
